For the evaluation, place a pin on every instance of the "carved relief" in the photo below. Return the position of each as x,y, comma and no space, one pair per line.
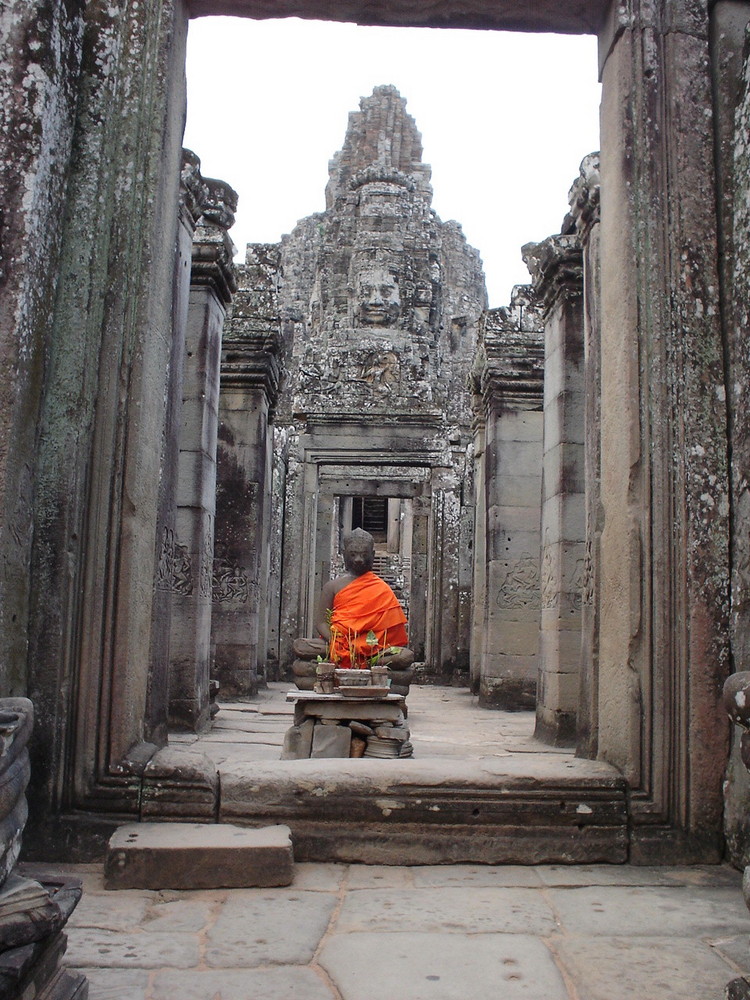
549,578
578,585
587,583
380,370
520,588
378,298
205,582
230,583
174,567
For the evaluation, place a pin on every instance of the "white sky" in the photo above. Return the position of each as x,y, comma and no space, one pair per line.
505,118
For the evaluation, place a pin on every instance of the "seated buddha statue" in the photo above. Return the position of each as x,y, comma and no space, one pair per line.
360,618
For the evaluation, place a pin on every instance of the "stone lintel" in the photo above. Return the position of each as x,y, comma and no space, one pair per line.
198,856
556,268
577,17
429,421
584,199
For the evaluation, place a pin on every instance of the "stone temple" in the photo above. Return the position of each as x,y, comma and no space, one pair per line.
557,488
378,310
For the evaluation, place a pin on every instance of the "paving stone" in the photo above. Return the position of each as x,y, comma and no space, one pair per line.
651,968
99,911
116,984
475,910
268,928
442,967
90,946
249,984
380,877
198,856
185,915
321,877
734,948
583,875
481,875
676,911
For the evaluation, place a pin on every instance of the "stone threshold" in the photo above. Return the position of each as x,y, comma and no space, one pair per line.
516,809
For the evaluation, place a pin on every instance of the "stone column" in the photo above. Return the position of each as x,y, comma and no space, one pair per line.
511,383
663,647
732,105
584,220
188,565
41,52
249,389
479,551
193,193
101,432
556,268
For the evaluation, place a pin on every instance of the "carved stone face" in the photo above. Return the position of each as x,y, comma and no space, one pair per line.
378,300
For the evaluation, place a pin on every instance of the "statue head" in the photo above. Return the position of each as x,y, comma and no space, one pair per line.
378,299
359,552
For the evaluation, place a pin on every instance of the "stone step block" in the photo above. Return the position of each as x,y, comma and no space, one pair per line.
198,856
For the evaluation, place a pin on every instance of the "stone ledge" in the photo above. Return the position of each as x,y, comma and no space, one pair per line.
437,812
198,856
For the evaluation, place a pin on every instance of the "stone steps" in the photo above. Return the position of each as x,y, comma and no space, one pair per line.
395,812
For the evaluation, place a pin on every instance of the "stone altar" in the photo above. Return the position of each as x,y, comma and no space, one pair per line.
339,725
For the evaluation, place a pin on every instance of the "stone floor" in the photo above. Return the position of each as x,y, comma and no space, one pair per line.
445,723
353,932
357,932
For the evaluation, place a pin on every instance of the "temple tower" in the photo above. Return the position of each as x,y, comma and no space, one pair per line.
379,304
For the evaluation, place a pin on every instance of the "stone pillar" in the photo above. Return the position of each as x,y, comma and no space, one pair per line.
556,269
101,433
479,551
193,193
663,646
584,220
41,52
249,389
732,105
510,379
189,564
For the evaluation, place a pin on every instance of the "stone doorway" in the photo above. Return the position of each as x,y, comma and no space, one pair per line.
92,523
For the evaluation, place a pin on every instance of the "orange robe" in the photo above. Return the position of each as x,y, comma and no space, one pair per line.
367,618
